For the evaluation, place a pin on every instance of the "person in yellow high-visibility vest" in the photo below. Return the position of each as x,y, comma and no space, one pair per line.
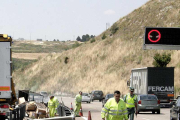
131,103
56,103
115,109
52,106
78,100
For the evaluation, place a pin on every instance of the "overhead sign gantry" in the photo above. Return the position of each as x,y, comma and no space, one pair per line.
162,38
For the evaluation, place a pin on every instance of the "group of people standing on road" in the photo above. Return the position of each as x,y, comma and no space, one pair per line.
114,109
120,109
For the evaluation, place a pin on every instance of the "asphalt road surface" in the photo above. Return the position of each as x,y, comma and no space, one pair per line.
165,115
96,106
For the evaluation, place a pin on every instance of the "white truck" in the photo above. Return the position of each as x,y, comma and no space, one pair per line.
154,80
7,92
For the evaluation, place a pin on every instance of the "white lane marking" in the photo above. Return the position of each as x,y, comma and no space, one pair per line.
84,118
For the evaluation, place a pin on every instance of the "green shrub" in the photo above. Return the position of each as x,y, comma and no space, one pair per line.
93,40
161,60
114,28
104,36
66,60
76,45
21,64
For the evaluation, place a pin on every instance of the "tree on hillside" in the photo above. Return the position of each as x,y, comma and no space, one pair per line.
85,38
78,38
92,36
161,60
114,28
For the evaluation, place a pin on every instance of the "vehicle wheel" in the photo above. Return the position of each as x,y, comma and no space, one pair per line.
92,100
87,102
99,100
158,112
153,112
3,117
138,111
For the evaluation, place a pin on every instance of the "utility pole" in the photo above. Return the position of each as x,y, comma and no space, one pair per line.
107,25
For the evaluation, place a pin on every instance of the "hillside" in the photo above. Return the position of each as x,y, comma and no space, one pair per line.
42,46
105,64
25,53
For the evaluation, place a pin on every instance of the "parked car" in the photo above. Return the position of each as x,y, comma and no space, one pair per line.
106,99
97,95
148,103
86,98
175,110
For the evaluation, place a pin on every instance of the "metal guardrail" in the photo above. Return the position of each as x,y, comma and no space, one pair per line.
19,112
64,114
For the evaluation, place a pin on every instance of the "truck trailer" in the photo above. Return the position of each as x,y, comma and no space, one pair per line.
7,91
154,80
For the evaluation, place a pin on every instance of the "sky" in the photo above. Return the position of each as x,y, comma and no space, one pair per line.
61,19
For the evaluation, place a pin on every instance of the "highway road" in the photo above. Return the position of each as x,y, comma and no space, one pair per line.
96,106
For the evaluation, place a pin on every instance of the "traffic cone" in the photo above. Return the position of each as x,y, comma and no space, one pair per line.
72,107
81,112
89,116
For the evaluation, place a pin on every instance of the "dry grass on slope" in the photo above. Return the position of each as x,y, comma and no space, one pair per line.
105,64
28,55
94,66
91,66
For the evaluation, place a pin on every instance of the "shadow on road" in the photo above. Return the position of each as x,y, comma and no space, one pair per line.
85,103
150,113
